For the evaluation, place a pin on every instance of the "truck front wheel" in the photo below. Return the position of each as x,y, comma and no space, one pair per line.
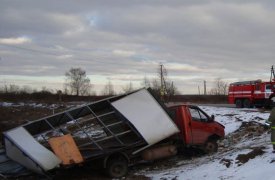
210,147
239,103
247,103
117,167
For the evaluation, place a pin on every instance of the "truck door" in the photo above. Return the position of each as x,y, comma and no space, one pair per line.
268,90
181,120
200,125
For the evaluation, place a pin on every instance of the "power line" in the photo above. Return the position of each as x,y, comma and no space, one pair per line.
99,59
29,49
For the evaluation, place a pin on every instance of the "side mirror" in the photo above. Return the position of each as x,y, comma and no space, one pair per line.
212,117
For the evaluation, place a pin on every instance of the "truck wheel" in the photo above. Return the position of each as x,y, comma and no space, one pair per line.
210,147
268,104
258,105
246,103
117,167
239,103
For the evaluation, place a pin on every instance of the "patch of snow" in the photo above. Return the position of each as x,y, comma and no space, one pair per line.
232,118
6,104
30,104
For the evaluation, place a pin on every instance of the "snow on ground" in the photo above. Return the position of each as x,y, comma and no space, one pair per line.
227,162
232,118
21,104
40,105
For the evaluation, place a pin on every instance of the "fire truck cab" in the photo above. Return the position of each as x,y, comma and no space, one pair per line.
251,93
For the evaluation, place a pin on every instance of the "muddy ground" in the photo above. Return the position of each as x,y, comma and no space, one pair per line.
13,116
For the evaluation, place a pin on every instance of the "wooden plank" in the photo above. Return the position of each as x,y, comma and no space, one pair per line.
65,148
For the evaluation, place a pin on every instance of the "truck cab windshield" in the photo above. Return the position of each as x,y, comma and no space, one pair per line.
268,87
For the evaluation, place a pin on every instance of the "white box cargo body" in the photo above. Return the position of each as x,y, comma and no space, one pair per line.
147,116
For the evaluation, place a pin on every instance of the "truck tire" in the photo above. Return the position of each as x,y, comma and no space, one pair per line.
117,167
210,146
258,105
239,103
272,100
268,104
247,103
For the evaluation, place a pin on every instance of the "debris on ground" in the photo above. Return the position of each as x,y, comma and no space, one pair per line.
244,158
249,129
226,162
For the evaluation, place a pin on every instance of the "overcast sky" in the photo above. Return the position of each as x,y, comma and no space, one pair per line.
126,40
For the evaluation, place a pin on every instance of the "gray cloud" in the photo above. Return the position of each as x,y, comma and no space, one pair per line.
124,40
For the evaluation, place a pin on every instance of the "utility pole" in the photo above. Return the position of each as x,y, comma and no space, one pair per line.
199,90
204,85
172,89
161,80
163,89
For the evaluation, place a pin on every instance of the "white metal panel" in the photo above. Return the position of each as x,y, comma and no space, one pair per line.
24,149
146,114
9,167
14,153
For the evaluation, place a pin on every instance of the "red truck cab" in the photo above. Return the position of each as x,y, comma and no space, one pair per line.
196,127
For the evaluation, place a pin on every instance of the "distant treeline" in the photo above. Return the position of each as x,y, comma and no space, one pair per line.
49,97
200,98
45,97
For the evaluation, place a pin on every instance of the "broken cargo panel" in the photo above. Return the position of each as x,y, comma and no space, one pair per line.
144,112
65,148
9,168
24,149
117,124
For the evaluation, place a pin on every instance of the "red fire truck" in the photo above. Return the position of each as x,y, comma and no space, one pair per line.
253,93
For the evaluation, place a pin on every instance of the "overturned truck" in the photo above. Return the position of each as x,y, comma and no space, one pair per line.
110,134
112,131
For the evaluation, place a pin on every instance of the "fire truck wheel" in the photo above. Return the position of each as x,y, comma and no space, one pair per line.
117,167
239,103
210,147
247,103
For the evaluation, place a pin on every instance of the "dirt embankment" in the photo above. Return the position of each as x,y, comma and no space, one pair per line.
248,131
13,116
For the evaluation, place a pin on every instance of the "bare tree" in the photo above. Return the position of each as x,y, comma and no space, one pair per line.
220,87
146,82
156,86
27,89
77,81
86,89
44,89
170,88
128,88
6,88
15,89
108,89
